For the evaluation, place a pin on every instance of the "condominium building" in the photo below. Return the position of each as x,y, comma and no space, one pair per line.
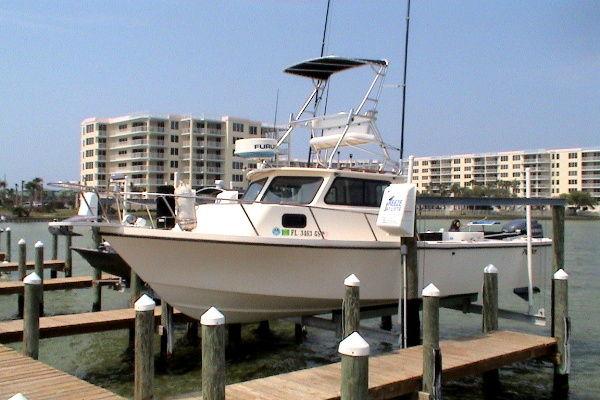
553,172
150,149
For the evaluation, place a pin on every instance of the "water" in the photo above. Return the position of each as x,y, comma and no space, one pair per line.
104,358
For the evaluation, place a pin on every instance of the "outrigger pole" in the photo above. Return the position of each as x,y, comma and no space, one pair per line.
404,83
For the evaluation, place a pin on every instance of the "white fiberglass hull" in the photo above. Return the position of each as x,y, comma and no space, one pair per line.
251,279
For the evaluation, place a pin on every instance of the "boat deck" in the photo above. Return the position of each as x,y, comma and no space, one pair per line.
400,372
38,381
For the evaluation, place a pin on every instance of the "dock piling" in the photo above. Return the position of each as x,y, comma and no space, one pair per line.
432,356
562,331
351,305
8,245
22,272
491,379
166,332
18,396
31,315
53,274
213,355
97,274
413,323
135,287
68,256
144,353
354,351
39,270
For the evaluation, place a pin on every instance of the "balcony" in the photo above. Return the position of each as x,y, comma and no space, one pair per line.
154,128
156,155
156,143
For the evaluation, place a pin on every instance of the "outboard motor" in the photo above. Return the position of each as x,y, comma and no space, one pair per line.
164,215
519,227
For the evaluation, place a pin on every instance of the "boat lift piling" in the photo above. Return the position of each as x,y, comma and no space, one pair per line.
68,256
31,315
97,274
432,355
562,333
213,355
351,305
7,257
39,270
491,379
144,349
22,272
53,273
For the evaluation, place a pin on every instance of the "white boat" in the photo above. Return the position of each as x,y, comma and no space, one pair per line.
285,248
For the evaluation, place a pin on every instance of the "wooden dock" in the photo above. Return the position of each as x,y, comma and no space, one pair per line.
37,381
73,324
57,265
400,372
75,282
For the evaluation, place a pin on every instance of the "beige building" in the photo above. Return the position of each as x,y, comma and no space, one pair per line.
150,149
553,172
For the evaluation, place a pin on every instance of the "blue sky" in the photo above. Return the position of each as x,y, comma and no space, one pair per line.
482,76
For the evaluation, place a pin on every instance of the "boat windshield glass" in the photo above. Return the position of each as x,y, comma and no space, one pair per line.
292,189
254,189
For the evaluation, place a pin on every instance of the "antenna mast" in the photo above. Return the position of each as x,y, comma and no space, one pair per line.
404,83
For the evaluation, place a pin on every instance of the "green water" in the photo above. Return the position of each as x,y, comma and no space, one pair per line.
104,358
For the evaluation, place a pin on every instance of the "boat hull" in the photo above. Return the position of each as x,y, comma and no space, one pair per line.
251,281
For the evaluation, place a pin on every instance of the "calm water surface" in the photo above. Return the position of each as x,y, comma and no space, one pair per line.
104,358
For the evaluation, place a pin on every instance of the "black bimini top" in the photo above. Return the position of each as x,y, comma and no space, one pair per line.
322,68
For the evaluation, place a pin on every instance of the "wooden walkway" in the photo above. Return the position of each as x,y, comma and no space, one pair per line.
73,324
57,265
75,282
400,372
36,380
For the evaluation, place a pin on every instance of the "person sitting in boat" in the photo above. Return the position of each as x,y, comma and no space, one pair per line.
455,226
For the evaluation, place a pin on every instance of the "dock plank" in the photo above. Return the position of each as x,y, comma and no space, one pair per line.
75,282
38,381
73,324
57,265
398,373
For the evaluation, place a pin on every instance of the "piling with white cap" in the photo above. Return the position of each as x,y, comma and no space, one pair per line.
96,274
213,355
491,379
22,271
144,348
39,270
8,244
351,305
562,331
355,367
31,315
18,396
432,356
68,256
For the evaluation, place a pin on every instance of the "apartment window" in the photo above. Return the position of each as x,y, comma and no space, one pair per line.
89,141
122,165
572,164
516,174
237,178
572,155
504,158
237,127
467,160
456,161
557,182
101,164
122,152
456,169
237,165
572,173
175,125
161,124
89,165
425,162
174,151
213,125
101,177
122,127
101,140
467,168
504,175
138,124
101,152
137,176
572,181
200,125
121,140
416,163
415,170
172,176
504,167
415,178
456,176
516,158
89,153
174,139
89,128
253,130
425,170
160,176
468,176
174,164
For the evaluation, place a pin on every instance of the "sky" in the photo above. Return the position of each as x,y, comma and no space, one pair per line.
482,76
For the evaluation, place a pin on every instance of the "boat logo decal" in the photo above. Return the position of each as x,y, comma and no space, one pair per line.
393,204
276,231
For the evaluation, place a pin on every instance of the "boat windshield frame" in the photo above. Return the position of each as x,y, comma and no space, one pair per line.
261,185
317,181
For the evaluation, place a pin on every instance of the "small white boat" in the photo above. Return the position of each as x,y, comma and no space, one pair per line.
285,248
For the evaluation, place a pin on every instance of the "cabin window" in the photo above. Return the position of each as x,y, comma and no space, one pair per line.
292,190
254,189
356,192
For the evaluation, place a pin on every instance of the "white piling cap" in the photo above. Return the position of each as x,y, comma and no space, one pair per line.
144,303
431,291
212,317
32,279
39,244
490,269
8,229
352,280
561,275
18,396
20,243
354,345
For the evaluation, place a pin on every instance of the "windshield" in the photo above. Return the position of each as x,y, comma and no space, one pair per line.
254,189
292,189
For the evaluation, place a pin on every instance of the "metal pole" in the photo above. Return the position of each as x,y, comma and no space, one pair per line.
31,316
213,355
354,351
144,351
351,305
404,81
432,357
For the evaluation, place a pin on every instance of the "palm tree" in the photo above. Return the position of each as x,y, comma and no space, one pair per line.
35,188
